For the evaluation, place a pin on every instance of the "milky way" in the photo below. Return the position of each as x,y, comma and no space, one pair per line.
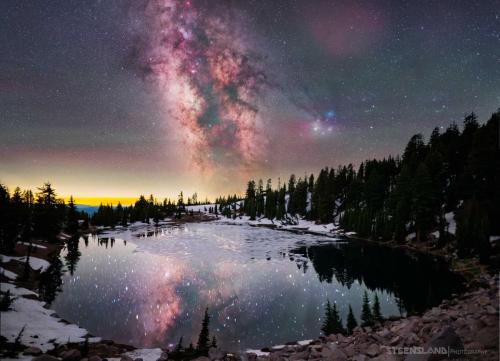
210,81
118,98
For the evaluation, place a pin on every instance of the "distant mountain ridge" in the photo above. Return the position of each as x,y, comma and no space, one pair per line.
90,210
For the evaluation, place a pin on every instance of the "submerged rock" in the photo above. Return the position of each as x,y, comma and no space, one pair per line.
71,355
34,351
45,358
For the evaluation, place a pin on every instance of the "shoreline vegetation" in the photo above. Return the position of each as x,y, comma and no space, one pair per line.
440,198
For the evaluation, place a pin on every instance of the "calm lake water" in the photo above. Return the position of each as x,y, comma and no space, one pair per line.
149,286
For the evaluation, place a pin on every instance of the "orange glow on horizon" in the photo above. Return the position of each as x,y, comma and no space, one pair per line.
95,201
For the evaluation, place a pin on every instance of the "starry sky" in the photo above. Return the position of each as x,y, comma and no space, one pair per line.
119,98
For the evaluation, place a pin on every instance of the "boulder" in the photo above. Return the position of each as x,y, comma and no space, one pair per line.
71,355
385,333
34,351
337,353
251,356
372,350
447,339
360,357
303,355
45,358
104,350
488,337
126,358
215,354
385,357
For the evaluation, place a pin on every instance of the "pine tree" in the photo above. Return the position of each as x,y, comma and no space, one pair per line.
351,321
214,342
179,347
366,313
72,216
424,203
337,326
204,338
327,327
376,313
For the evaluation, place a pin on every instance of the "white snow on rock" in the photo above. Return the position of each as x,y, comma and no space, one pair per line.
452,225
146,354
38,321
15,291
301,224
257,352
37,264
7,273
32,244
304,342
200,208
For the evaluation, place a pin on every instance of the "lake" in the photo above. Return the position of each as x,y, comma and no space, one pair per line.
148,286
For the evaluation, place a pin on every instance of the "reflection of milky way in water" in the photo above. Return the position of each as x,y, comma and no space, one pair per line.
259,284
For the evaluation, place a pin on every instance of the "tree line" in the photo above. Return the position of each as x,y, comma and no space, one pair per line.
454,176
24,215
370,316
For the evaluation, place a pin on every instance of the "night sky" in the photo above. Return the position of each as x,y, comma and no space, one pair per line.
118,98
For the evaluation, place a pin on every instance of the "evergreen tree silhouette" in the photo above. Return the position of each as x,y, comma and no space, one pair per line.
351,321
204,338
366,313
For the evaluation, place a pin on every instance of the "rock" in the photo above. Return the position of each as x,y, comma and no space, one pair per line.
357,329
251,356
483,300
126,358
372,350
138,359
488,337
45,358
489,320
95,358
332,338
35,351
350,350
385,333
326,352
104,350
299,356
360,357
385,357
447,339
341,338
71,355
491,310
215,354
202,358
394,341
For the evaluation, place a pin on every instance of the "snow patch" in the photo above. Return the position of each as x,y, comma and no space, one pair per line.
37,264
452,225
304,342
146,354
38,321
16,291
32,244
257,352
8,274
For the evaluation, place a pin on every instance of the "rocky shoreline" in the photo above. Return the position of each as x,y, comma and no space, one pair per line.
466,326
